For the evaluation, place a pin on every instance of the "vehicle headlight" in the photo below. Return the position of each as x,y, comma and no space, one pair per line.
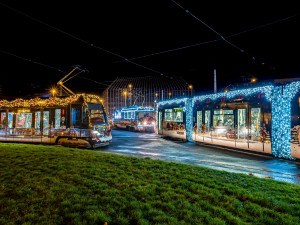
145,123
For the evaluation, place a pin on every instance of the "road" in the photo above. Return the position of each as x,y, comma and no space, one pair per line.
157,147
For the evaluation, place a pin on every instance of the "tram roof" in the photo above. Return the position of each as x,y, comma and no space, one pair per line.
137,108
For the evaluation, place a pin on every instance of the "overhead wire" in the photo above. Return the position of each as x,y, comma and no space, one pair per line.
212,41
213,30
30,60
80,39
52,67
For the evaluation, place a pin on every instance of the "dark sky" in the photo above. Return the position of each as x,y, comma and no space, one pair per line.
137,28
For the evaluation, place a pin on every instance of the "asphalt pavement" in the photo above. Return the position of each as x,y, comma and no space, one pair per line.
157,147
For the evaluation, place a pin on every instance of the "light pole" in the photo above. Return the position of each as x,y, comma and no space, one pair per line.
125,93
191,87
130,87
170,95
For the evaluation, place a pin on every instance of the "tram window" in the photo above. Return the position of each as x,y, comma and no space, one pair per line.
168,115
207,118
178,115
199,121
10,119
23,120
3,117
160,120
129,115
242,130
76,116
97,115
46,119
255,122
223,118
57,118
37,120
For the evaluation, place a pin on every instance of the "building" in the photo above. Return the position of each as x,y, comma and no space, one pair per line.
143,91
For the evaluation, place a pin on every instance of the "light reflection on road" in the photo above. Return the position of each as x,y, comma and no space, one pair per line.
152,145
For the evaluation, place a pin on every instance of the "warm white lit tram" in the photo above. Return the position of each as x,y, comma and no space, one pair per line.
135,119
75,121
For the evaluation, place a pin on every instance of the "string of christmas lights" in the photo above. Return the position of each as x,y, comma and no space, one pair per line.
52,101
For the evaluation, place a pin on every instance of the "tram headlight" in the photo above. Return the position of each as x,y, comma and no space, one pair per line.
145,123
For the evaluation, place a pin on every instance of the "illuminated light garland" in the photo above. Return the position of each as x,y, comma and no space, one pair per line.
172,101
52,101
281,119
267,90
189,120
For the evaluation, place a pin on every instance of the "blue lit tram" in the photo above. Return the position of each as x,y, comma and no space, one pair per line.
75,121
135,119
264,119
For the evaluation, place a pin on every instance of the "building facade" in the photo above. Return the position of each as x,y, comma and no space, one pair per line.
143,91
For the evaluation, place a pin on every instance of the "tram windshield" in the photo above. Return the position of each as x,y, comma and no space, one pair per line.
97,115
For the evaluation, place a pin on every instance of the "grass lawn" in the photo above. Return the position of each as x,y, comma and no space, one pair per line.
57,185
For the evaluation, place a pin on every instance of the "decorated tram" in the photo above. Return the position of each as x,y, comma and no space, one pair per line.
76,121
135,119
264,119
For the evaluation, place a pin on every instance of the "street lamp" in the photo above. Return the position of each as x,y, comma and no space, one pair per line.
125,93
191,87
130,87
53,91
170,95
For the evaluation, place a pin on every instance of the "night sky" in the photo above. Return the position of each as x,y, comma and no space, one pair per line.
136,28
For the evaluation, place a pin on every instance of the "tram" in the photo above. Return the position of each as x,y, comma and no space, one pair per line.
135,119
263,119
75,121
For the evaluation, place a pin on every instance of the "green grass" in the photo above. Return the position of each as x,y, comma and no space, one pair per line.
56,185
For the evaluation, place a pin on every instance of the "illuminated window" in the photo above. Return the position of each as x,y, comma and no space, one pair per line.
168,115
37,120
223,118
255,123
199,121
160,120
242,130
3,118
23,120
178,114
10,119
57,118
46,119
207,119
129,115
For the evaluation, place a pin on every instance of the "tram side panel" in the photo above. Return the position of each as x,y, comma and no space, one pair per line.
172,121
243,123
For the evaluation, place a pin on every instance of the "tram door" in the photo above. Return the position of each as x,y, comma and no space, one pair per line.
159,122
